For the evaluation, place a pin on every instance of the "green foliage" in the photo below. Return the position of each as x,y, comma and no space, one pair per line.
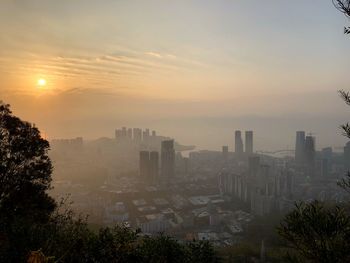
201,251
25,169
244,252
67,239
33,224
117,244
264,227
319,234
249,252
25,176
162,249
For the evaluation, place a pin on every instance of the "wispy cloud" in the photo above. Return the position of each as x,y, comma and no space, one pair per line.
99,68
154,54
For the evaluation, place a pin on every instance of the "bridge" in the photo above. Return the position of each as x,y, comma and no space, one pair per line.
284,151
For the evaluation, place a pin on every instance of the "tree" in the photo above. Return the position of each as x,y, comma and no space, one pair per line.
25,177
317,232
25,169
201,251
34,227
162,249
344,7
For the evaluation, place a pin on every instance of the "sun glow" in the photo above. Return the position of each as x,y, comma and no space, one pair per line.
41,82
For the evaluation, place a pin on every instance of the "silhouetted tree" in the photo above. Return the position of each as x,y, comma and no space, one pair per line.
317,233
25,169
71,241
201,251
25,176
344,7
162,249
116,244
34,227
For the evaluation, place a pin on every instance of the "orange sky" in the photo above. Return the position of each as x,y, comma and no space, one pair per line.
130,62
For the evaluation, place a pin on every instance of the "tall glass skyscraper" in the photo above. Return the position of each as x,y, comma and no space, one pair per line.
300,147
249,142
238,143
167,159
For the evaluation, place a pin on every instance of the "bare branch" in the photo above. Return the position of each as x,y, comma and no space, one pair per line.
345,183
345,95
346,130
343,6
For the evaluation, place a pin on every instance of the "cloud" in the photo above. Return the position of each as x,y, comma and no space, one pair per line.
154,54
170,56
159,55
72,91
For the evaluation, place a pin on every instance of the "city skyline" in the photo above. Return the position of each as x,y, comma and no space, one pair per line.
223,61
174,131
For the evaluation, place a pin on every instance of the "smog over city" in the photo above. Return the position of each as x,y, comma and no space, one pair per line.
174,131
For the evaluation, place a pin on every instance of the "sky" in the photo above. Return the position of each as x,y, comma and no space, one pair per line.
194,70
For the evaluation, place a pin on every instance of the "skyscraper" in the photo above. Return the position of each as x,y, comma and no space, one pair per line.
327,153
145,135
118,134
300,147
326,165
310,154
167,159
124,132
137,134
154,165
144,165
225,152
238,143
249,142
129,133
253,165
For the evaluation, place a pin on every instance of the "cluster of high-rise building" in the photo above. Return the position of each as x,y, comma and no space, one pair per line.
305,152
225,152
239,147
149,163
76,143
158,162
262,187
265,183
167,159
212,194
318,164
135,134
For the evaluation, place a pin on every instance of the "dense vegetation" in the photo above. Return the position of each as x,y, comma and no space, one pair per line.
34,227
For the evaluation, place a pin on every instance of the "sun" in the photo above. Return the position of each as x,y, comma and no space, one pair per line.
41,82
